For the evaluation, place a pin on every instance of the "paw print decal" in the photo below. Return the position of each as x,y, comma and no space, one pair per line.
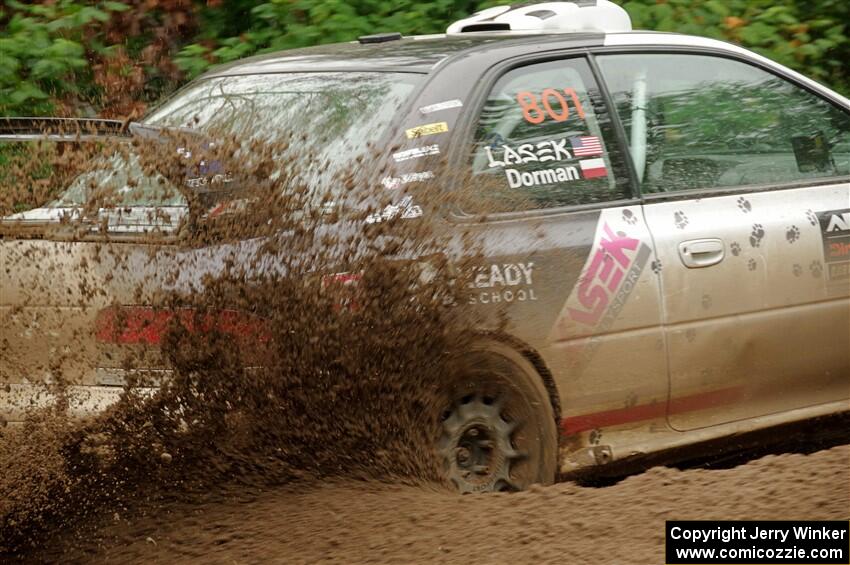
690,335
745,205
595,436
629,217
757,235
706,301
792,234
817,269
656,266
797,270
751,264
735,248
812,217
680,219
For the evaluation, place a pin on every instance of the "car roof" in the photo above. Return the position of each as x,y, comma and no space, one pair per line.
421,54
410,54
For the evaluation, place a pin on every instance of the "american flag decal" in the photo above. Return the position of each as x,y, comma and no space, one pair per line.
586,146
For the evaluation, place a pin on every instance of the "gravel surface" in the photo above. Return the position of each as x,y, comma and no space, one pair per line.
365,522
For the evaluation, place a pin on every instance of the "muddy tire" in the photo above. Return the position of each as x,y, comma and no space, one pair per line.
497,429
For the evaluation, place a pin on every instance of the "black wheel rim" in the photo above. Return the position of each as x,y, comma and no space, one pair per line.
476,445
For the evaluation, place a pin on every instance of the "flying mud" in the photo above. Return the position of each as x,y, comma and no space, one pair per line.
289,325
285,351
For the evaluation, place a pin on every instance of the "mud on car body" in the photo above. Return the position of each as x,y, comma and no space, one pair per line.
664,221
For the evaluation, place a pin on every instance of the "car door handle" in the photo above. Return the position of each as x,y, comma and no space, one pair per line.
698,253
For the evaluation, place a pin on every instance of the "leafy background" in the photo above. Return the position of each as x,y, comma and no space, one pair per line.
113,58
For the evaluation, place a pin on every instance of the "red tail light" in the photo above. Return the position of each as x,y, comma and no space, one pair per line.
147,325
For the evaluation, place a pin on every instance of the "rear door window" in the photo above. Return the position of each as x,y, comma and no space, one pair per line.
543,140
702,122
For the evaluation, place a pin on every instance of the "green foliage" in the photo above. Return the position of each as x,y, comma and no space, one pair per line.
243,27
43,53
807,35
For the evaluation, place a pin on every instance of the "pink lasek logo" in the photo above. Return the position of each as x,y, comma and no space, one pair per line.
603,276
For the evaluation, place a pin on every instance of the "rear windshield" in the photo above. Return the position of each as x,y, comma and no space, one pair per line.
337,117
120,182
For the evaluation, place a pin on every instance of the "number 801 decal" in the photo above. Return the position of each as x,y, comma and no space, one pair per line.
554,105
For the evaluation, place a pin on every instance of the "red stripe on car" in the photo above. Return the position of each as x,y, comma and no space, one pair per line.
653,410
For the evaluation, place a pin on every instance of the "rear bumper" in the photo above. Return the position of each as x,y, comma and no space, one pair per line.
82,400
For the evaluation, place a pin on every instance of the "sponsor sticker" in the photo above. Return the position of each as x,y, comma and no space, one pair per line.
447,105
426,130
228,207
416,153
405,209
548,151
503,283
517,179
607,282
393,183
217,179
542,152
835,229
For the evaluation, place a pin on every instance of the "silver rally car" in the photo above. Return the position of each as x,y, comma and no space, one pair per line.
671,246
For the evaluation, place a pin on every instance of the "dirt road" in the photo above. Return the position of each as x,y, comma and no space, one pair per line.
359,522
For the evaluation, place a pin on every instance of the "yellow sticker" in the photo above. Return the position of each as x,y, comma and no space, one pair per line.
427,129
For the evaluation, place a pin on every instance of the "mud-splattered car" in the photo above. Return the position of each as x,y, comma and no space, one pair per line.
665,230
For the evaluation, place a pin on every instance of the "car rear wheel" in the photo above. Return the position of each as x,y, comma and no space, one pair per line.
497,426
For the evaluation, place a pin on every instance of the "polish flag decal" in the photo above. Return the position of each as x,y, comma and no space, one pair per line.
593,168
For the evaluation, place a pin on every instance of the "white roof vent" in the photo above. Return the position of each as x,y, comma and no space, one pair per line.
548,17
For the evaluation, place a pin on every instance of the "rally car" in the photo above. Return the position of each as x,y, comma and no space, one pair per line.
687,276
